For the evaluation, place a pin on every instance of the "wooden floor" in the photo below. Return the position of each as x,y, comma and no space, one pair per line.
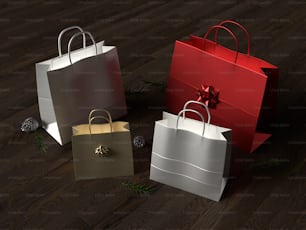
38,191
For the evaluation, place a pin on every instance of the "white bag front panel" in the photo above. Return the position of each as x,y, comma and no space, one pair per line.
187,146
187,184
186,168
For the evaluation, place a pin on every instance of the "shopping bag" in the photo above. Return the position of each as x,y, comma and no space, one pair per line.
240,89
191,155
71,85
102,150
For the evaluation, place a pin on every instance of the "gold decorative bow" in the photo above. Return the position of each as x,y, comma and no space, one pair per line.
102,150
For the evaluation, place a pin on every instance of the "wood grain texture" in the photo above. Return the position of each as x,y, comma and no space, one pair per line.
38,191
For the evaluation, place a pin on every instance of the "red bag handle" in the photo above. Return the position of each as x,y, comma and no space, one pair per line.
229,31
241,27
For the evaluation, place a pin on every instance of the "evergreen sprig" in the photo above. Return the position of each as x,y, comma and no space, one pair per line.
161,85
136,92
140,189
265,165
39,141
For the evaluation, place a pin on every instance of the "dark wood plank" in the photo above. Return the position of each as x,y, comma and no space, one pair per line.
39,191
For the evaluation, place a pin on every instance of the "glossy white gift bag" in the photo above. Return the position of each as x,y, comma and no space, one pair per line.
71,85
191,155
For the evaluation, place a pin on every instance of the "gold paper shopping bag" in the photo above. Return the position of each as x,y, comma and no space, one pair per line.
102,150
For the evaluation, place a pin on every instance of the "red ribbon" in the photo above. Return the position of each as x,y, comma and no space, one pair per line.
208,95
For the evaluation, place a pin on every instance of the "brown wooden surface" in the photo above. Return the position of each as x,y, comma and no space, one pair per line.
38,191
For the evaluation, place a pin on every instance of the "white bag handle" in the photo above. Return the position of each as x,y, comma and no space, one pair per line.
108,118
76,35
190,110
199,103
59,39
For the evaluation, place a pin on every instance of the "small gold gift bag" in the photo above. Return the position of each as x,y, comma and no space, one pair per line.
102,150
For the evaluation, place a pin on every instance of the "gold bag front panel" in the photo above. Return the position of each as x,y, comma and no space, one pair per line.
88,164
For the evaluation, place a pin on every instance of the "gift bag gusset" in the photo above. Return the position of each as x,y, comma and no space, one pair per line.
191,155
240,89
72,84
102,150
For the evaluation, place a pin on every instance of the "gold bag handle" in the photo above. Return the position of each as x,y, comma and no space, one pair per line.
108,118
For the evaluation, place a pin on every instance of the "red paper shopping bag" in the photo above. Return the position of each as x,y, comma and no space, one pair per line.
239,88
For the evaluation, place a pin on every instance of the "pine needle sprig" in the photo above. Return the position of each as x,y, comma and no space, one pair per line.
140,189
39,141
136,92
265,165
161,85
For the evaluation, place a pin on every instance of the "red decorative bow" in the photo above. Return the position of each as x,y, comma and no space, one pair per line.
208,95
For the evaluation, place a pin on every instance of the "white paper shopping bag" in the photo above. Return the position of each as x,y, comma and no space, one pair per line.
191,155
71,85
